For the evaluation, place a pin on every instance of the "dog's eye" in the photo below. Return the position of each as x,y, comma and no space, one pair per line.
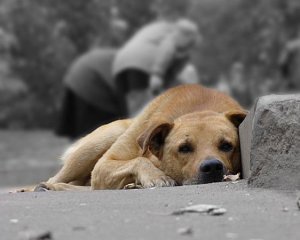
226,146
185,148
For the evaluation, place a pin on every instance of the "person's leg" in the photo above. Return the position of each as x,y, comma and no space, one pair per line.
89,117
65,123
132,85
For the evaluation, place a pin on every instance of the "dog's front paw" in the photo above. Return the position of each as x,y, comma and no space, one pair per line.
157,181
26,189
43,187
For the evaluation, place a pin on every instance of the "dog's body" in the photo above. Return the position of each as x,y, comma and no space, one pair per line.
187,135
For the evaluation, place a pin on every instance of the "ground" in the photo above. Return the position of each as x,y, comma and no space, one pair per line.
252,214
27,157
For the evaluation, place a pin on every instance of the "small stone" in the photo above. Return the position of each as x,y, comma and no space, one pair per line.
231,235
285,209
78,228
14,220
185,231
217,211
36,235
127,220
201,208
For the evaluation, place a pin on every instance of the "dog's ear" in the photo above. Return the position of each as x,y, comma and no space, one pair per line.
236,117
153,138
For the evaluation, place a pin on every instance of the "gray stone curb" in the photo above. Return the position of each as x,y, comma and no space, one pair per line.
270,142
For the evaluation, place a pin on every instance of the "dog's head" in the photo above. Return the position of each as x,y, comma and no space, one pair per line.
196,148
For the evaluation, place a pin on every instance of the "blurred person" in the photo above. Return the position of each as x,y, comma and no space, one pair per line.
90,97
10,84
260,85
89,94
223,85
152,60
239,85
189,75
266,86
289,62
7,42
255,78
60,46
118,27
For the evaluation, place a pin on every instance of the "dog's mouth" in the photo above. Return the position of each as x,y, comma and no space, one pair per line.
210,171
210,178
204,180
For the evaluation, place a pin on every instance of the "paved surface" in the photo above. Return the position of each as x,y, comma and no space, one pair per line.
252,214
28,157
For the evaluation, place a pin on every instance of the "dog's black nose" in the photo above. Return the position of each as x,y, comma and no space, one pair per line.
211,170
211,166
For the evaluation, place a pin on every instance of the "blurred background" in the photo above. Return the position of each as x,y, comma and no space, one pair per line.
247,50
40,38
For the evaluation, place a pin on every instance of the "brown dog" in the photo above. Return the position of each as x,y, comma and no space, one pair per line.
187,135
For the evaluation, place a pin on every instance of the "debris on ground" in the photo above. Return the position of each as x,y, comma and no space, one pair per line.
36,235
217,211
185,231
298,203
78,228
202,208
232,178
14,220
231,235
285,209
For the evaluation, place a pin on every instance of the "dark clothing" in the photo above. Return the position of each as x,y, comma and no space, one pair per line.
90,78
137,79
79,117
91,97
132,79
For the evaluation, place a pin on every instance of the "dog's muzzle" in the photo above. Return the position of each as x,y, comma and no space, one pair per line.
211,170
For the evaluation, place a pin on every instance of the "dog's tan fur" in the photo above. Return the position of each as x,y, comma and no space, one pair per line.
144,150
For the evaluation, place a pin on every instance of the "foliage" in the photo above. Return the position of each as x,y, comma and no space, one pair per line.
252,32
51,33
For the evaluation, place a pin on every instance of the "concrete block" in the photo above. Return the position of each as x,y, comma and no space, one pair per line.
270,142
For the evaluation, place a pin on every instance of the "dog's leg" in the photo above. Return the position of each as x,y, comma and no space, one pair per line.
59,187
80,158
115,174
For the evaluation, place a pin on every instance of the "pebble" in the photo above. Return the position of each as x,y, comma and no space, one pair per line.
185,231
14,220
36,235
